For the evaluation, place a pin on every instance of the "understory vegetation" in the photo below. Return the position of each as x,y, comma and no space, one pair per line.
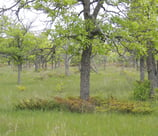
47,103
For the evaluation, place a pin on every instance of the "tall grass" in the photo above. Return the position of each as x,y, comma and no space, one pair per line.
36,123
107,83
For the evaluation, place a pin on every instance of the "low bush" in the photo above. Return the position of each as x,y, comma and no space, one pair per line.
38,104
142,90
112,104
58,103
74,104
129,107
21,88
98,101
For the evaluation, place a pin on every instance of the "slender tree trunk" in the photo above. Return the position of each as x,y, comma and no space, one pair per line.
59,63
56,64
157,68
36,62
9,63
52,64
85,73
137,65
36,66
142,68
19,73
104,61
67,64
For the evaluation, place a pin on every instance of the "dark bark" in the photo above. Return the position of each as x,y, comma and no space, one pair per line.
9,63
142,68
87,50
85,59
85,73
152,72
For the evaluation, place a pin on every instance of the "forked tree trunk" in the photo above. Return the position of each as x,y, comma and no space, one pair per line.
90,17
85,73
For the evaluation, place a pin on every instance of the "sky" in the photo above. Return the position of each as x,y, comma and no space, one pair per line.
36,17
28,16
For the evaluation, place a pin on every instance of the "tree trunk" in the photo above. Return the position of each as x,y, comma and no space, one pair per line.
142,68
67,64
36,62
9,63
137,64
19,73
151,69
104,61
85,73
90,16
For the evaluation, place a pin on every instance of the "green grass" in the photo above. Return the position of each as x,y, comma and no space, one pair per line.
47,84
37,123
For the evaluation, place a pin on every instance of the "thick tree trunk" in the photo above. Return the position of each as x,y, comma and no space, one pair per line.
142,68
152,72
90,16
85,73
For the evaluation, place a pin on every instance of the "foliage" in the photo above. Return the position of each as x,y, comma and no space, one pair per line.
112,104
142,90
59,86
129,107
58,103
21,88
74,104
60,123
38,104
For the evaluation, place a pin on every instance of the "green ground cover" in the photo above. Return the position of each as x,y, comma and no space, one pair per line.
46,84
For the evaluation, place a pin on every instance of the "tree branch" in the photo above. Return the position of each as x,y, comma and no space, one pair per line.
6,9
97,8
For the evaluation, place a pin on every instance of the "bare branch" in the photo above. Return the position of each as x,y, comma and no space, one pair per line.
6,9
97,8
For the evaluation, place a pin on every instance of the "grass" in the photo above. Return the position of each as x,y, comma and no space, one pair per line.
37,123
111,82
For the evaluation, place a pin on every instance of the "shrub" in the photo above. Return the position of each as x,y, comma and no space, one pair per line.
142,90
59,86
69,104
74,104
129,107
21,88
98,101
112,104
38,104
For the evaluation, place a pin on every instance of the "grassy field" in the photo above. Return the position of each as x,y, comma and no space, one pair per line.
46,84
